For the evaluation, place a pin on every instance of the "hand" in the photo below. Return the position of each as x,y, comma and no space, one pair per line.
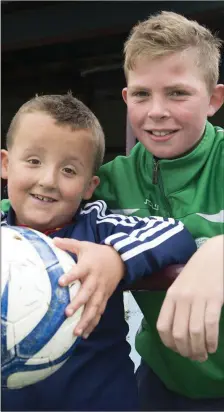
100,269
189,318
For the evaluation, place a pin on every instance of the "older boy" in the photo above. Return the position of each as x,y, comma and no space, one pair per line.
176,169
55,145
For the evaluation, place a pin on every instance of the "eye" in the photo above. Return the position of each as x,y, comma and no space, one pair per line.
178,93
140,93
33,161
69,171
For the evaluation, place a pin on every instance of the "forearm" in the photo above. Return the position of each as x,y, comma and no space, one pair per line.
162,280
209,258
143,258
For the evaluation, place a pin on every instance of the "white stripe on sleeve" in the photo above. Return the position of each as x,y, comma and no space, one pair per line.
151,244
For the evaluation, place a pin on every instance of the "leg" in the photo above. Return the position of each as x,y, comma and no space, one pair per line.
153,395
187,404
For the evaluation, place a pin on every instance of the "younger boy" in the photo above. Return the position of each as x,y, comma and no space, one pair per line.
55,146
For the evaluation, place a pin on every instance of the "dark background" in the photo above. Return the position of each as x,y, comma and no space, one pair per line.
55,46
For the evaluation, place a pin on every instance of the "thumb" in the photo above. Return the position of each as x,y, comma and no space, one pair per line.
71,245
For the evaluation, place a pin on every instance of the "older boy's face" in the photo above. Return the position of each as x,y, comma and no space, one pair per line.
168,103
49,171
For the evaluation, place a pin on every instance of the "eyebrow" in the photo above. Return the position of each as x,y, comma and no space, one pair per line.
172,87
33,149
74,159
179,86
133,88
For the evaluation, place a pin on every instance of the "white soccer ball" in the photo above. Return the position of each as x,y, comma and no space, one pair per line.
36,336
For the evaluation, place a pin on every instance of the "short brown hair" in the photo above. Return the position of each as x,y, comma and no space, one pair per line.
66,110
168,32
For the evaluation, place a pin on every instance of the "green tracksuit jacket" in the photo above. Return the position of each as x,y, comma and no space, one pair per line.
190,188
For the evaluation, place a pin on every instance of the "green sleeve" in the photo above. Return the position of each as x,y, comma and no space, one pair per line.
107,188
5,205
121,183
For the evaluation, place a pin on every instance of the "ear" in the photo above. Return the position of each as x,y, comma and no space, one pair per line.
124,94
4,163
216,99
94,182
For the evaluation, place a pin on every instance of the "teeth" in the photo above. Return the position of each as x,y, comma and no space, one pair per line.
164,133
45,199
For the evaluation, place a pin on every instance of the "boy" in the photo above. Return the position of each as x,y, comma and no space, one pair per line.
55,146
176,169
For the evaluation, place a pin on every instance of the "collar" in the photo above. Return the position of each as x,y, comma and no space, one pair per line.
178,173
11,221
11,217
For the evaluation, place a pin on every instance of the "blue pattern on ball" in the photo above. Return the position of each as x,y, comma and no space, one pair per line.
14,360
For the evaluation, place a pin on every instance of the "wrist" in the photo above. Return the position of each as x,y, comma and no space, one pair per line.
117,262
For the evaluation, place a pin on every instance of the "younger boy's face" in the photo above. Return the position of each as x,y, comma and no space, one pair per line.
49,171
168,103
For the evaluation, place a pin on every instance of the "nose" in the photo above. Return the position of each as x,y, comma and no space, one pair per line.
48,178
157,108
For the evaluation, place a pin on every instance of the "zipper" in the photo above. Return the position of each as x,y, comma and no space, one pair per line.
155,171
157,180
168,207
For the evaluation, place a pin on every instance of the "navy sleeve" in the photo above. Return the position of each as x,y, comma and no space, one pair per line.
146,245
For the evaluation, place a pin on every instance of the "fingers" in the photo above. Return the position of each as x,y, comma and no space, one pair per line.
71,245
212,318
84,294
99,279
190,315
91,316
197,343
165,323
180,328
181,325
173,325
200,336
77,272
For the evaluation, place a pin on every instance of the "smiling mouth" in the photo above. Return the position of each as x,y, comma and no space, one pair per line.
161,133
44,198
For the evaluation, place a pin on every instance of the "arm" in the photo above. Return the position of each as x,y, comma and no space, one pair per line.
189,318
130,248
146,245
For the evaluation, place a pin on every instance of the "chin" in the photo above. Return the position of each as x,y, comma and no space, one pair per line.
161,154
40,226
164,153
168,155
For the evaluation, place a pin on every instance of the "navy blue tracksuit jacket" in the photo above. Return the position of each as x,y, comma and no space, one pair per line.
100,375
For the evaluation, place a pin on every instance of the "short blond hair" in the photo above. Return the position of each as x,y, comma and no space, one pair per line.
67,111
168,32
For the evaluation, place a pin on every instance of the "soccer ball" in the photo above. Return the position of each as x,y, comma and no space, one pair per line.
36,336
